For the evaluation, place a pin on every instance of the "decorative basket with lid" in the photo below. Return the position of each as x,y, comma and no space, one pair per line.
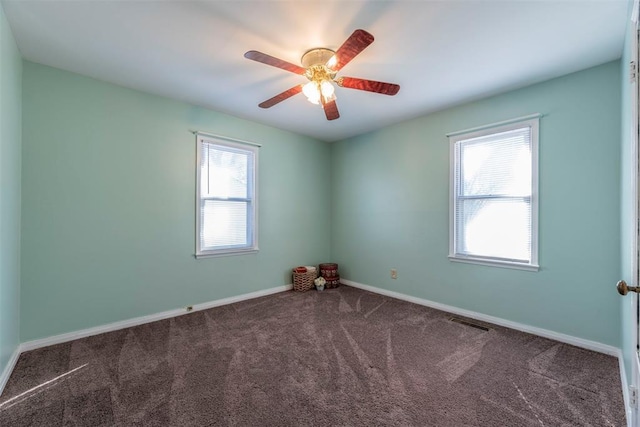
329,271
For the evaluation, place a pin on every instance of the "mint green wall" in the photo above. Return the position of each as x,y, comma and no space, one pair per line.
390,209
108,205
10,153
627,207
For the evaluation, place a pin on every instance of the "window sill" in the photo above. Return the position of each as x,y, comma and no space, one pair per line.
217,254
495,263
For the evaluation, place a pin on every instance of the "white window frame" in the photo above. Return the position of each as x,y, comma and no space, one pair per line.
252,198
455,138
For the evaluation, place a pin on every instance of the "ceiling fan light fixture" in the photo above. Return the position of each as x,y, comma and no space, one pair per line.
327,88
319,90
312,92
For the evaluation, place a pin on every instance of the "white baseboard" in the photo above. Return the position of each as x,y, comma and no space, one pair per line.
568,339
70,336
625,389
6,373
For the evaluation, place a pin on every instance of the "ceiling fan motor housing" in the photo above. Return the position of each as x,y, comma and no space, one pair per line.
317,56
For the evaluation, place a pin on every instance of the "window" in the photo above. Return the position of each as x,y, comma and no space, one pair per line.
494,195
226,197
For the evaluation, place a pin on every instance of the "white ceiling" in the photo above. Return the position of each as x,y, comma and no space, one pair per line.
441,53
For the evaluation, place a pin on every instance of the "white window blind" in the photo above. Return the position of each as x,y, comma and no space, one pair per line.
494,196
226,193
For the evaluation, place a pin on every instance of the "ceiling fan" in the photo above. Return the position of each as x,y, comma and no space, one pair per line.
320,66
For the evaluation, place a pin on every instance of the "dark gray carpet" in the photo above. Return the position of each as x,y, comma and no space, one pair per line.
342,357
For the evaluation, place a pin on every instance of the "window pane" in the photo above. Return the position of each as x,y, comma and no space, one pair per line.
495,228
225,172
498,164
224,224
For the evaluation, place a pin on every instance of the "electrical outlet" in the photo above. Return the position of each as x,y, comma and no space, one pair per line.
394,273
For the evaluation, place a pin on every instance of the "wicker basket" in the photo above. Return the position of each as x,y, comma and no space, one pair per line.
304,281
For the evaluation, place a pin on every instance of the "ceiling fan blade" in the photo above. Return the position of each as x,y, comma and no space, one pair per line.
281,97
356,43
331,110
368,85
274,62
